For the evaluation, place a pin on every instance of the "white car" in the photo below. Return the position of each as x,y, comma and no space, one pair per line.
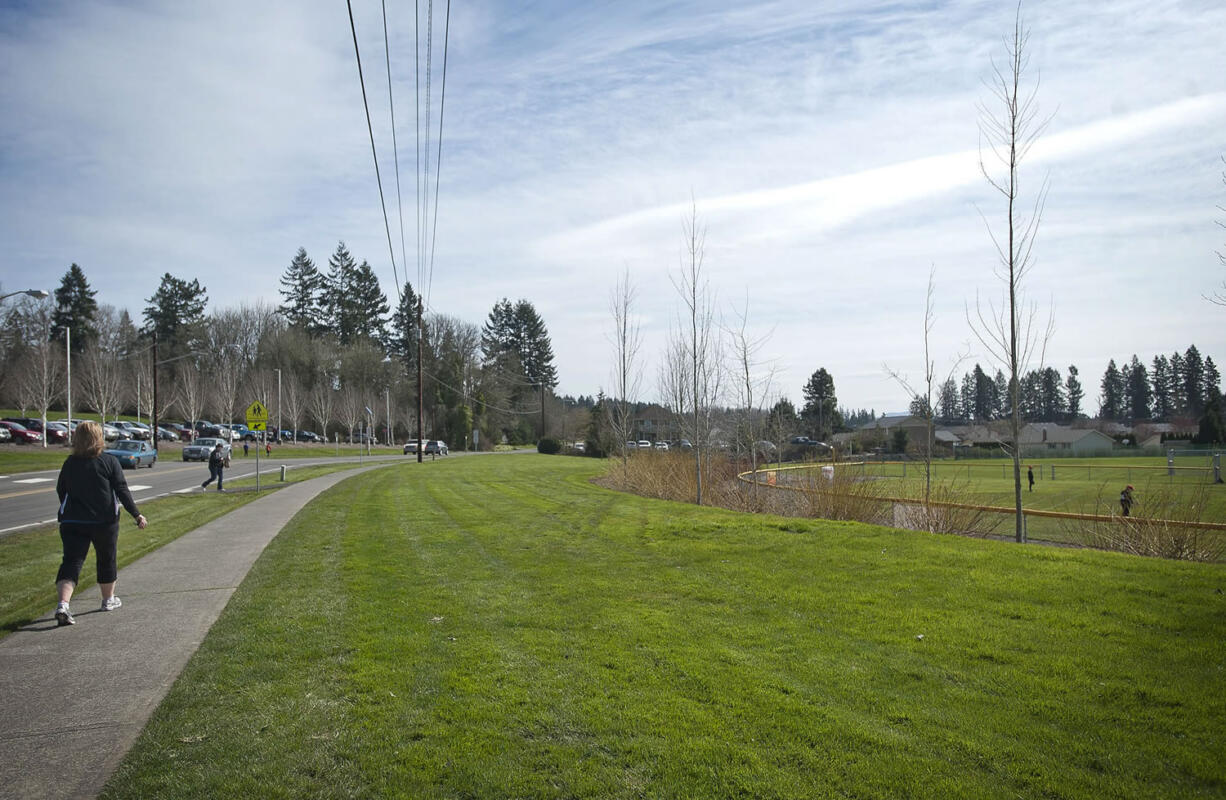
199,450
644,444
661,445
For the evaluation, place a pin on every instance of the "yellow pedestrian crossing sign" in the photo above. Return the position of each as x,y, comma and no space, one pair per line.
257,416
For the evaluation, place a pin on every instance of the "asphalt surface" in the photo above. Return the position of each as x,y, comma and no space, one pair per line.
28,498
75,698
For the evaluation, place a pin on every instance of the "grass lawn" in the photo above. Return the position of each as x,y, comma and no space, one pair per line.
28,458
29,559
502,628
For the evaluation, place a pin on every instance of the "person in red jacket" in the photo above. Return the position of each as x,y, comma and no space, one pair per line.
91,488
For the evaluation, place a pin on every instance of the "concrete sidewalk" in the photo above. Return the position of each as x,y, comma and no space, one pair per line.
74,699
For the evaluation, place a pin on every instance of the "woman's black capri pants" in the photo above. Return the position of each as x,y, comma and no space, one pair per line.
77,539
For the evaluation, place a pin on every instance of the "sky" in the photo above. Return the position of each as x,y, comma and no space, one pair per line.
829,148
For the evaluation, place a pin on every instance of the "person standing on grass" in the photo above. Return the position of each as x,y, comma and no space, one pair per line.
1030,477
1126,500
91,488
217,462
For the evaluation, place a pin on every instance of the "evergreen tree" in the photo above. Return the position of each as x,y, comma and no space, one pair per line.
1138,391
403,338
1111,402
1075,393
1213,381
75,310
536,351
1179,401
368,310
983,399
498,335
1194,381
783,418
821,404
338,304
1160,382
966,397
1212,423
1001,404
176,314
1052,406
1030,396
302,287
947,401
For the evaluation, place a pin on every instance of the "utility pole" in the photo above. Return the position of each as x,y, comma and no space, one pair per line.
68,355
420,404
153,412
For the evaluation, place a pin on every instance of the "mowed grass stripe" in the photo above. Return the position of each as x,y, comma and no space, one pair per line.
415,633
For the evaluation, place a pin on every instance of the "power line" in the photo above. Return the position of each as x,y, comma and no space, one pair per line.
387,52
441,382
438,162
370,129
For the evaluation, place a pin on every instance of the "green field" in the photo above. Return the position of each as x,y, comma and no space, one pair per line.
501,627
1081,486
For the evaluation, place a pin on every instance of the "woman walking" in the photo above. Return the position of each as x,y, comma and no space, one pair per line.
91,488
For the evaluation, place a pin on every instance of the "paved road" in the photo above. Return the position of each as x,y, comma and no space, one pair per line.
28,498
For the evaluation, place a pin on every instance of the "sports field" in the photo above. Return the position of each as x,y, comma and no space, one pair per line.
501,627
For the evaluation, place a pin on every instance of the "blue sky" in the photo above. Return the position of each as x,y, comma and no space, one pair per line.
830,148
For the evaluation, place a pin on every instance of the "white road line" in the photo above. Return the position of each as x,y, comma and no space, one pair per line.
137,487
35,480
183,491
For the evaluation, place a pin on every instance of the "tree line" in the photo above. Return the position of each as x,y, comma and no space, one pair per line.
331,357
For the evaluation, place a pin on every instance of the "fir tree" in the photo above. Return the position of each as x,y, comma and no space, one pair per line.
302,286
1160,382
338,304
1111,402
1194,381
535,348
75,310
1138,391
403,338
821,404
1213,381
368,307
176,314
1179,401
1072,386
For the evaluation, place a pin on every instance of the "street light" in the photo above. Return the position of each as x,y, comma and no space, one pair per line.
36,293
278,403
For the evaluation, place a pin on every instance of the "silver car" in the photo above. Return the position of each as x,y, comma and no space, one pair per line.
199,450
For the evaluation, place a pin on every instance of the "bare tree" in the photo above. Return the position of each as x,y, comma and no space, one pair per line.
752,385
320,401
40,375
101,379
925,401
627,375
1219,296
696,324
673,379
190,391
350,408
1011,332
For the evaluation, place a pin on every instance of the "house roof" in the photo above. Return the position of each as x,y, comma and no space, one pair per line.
1033,433
894,421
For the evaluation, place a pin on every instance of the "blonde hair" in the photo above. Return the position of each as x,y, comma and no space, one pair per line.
87,440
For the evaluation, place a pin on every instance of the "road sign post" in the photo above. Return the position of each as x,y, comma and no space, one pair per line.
257,420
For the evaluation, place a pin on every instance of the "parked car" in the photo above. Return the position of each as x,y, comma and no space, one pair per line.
130,430
199,450
56,433
662,445
133,453
308,436
435,447
410,447
6,435
358,437
643,444
112,434
140,426
684,444
167,434
21,434
30,423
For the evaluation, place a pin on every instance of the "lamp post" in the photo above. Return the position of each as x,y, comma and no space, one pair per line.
39,294
278,403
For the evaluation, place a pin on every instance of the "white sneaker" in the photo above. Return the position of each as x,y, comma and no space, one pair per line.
63,616
112,604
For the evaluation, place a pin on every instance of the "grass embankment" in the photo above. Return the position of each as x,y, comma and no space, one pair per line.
502,628
29,559
31,458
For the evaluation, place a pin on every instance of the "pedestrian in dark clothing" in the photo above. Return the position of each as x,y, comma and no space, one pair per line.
1126,500
244,448
1030,477
217,462
91,488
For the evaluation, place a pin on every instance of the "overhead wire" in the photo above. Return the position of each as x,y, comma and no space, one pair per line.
438,162
370,129
387,52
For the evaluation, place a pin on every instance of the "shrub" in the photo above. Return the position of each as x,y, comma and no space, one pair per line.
548,446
